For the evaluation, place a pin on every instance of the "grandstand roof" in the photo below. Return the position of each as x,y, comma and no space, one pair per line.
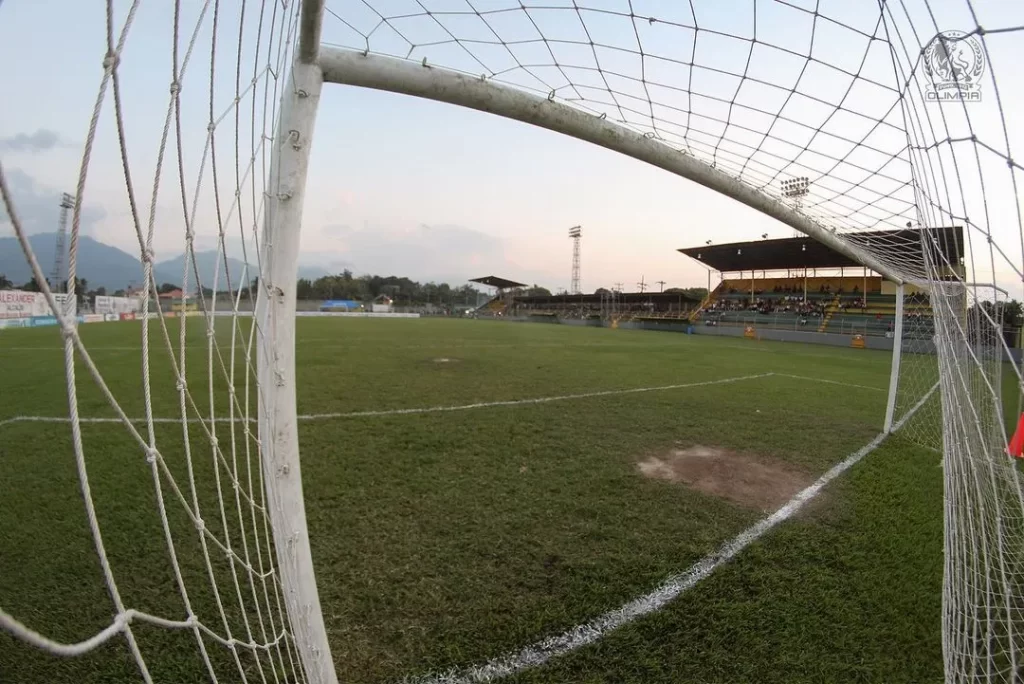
495,281
621,297
805,252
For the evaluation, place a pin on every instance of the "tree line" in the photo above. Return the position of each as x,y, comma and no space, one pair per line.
402,291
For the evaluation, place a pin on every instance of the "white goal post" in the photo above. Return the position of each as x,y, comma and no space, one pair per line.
897,113
275,316
897,355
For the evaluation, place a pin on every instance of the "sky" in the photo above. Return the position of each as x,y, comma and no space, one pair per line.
428,190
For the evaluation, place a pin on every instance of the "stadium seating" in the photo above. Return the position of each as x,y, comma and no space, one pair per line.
833,304
830,310
493,307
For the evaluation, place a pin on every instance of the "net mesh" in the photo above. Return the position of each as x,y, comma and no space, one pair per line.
917,397
177,146
896,113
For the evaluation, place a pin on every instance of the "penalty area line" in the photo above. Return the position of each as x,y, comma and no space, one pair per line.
407,411
446,409
536,400
539,653
829,382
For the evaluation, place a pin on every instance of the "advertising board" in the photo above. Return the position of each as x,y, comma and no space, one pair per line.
105,304
20,304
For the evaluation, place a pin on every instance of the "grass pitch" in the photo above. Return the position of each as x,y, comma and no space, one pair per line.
443,539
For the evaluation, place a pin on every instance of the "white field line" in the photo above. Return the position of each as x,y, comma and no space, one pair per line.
408,411
830,382
538,400
542,651
56,350
582,635
333,343
88,421
447,409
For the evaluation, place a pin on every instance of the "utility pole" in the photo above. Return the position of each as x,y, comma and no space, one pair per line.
660,284
617,287
641,285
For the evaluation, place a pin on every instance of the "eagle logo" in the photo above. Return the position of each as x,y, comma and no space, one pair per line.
954,59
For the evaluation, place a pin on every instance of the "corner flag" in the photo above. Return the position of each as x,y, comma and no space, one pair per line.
1016,446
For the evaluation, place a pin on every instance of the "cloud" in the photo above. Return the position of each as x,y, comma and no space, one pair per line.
445,253
38,207
40,141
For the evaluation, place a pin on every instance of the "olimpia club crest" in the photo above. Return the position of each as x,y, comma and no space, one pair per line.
954,62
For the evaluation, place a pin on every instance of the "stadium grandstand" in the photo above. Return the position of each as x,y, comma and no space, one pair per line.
606,304
801,284
504,293
512,298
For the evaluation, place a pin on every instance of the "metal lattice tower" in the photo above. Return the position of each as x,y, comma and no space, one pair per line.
67,202
575,233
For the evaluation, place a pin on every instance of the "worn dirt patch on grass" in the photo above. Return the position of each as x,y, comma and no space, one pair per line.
747,479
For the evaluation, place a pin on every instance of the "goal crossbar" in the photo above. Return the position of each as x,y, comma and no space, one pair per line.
389,74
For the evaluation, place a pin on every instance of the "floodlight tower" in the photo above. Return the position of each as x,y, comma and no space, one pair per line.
575,233
796,189
67,203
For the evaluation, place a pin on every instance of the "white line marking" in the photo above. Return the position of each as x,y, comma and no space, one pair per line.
538,400
85,420
91,349
830,382
335,343
542,651
582,635
539,653
409,411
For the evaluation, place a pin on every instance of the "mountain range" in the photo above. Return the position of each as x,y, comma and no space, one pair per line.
103,265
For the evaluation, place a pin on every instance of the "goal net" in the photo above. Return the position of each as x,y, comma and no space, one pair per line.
894,118
188,554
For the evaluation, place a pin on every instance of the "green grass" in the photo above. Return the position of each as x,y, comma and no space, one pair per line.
443,539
